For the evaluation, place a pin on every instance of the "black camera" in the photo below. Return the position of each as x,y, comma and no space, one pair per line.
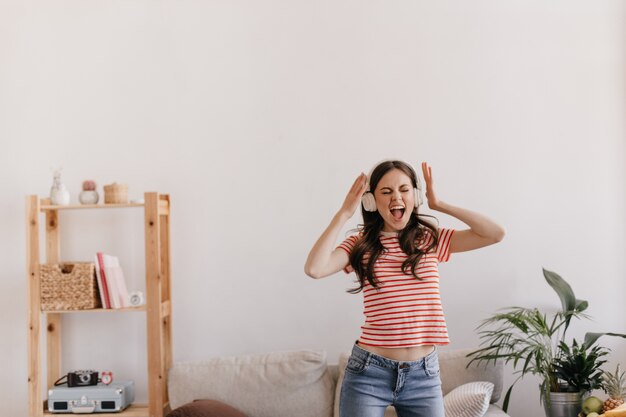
82,378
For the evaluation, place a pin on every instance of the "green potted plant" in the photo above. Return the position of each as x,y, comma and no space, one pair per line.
577,371
535,343
577,368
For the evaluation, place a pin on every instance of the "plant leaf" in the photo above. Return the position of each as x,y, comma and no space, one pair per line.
563,290
507,397
590,338
581,305
571,305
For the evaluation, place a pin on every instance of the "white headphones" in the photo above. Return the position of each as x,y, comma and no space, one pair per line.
369,202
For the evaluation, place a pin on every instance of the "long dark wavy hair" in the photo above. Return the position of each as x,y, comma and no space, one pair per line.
414,233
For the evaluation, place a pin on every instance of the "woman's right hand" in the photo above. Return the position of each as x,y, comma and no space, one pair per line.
353,199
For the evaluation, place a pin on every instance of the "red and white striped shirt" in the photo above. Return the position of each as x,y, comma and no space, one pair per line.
404,311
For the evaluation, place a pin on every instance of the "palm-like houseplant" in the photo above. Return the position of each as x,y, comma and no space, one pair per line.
535,343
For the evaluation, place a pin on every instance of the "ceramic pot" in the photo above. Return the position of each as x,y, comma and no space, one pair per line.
88,197
59,195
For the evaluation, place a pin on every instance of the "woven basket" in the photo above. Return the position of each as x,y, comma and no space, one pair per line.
116,193
69,286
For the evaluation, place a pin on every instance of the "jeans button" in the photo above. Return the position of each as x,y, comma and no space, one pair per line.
404,365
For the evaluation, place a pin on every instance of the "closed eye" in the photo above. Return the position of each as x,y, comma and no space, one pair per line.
389,192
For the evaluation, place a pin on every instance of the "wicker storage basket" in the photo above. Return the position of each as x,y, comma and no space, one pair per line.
69,286
116,193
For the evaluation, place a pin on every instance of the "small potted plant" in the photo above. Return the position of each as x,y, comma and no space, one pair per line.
577,371
536,344
89,195
577,368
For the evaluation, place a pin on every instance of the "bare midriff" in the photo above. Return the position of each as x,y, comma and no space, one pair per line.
404,354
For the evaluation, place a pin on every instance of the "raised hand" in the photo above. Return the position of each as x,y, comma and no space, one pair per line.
433,201
353,199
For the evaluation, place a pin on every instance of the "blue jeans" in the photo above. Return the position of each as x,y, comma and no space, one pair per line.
373,382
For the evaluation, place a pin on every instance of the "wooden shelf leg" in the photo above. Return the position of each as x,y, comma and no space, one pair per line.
156,377
166,291
53,325
34,302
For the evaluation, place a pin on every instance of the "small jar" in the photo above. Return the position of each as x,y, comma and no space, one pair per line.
88,197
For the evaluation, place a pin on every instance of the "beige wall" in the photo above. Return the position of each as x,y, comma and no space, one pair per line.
256,116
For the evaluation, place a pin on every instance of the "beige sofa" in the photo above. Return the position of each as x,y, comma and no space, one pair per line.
299,383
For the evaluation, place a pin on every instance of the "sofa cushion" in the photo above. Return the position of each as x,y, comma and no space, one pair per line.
454,372
495,411
468,400
275,384
205,408
341,366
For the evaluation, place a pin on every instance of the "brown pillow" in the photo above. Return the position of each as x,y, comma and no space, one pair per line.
205,408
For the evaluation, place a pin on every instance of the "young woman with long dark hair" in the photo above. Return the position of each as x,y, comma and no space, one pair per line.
395,255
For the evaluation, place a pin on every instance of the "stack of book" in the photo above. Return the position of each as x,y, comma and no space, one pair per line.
111,282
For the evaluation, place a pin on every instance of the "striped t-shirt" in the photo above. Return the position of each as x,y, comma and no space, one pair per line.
404,311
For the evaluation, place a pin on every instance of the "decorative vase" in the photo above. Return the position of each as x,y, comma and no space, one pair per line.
60,196
58,193
563,404
88,197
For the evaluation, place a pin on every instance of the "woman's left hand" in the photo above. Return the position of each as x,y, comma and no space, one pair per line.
433,201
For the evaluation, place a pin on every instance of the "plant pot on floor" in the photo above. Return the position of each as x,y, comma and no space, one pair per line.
563,404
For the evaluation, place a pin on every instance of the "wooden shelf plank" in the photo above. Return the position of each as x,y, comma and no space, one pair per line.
46,207
135,410
97,310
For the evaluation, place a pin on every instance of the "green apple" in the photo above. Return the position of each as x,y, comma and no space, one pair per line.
592,405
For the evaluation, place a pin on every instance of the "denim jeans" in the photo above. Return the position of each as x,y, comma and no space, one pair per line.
373,382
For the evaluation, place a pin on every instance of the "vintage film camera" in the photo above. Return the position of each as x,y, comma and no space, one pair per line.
82,378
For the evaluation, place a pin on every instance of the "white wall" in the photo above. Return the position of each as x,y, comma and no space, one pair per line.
257,116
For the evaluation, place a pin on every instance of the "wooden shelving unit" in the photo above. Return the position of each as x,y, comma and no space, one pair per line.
158,308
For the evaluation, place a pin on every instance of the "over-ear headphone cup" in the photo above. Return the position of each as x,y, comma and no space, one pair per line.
418,198
369,203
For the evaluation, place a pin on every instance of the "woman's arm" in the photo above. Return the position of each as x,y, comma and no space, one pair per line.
324,259
482,232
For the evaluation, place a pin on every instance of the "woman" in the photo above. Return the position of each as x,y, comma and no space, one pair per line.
395,256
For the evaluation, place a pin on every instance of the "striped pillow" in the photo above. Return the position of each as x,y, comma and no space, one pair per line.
468,400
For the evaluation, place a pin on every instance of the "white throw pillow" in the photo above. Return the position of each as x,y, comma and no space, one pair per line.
468,400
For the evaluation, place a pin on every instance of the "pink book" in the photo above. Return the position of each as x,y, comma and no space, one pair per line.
102,281
118,293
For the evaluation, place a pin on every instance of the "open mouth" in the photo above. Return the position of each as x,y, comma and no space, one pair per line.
397,213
